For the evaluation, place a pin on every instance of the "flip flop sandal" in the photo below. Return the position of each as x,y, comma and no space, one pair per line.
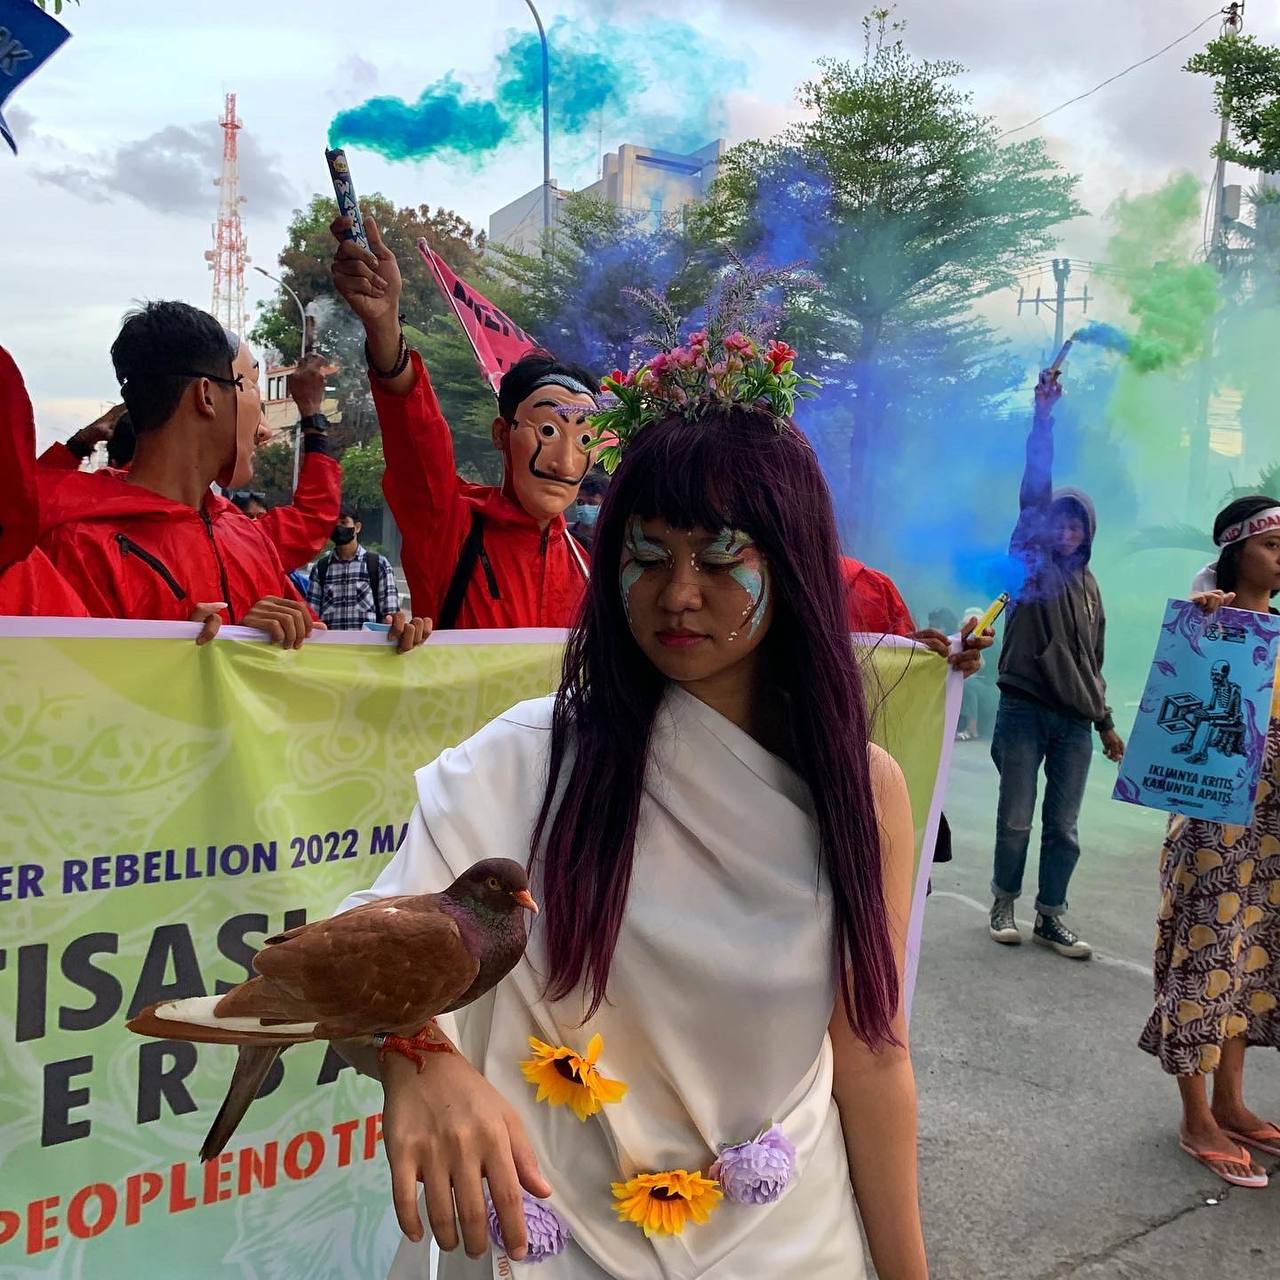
1265,1139
1240,1159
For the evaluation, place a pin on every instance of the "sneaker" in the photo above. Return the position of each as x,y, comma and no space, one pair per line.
1004,928
1051,932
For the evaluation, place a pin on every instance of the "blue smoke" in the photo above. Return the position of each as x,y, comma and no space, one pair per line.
1103,335
663,83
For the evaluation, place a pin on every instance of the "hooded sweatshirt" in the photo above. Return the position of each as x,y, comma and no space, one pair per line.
29,585
525,577
131,553
1053,645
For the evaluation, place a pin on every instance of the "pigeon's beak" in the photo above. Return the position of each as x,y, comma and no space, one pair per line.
525,899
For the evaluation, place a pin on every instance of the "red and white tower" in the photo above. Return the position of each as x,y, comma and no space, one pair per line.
227,257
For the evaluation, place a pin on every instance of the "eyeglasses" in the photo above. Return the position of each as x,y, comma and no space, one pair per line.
237,381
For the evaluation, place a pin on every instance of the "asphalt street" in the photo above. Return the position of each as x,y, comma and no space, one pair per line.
1048,1139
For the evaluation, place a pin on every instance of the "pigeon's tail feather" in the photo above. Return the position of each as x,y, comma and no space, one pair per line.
196,1019
252,1066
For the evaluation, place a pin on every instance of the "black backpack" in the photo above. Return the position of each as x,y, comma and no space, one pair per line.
372,568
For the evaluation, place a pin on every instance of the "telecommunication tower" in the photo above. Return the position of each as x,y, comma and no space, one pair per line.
227,257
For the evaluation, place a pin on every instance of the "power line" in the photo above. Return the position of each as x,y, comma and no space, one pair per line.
1217,13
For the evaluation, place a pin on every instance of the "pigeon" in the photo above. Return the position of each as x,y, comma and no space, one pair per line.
378,973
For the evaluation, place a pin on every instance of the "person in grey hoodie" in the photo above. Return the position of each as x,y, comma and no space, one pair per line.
1052,693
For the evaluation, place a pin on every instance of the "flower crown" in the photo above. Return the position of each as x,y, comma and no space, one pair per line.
730,361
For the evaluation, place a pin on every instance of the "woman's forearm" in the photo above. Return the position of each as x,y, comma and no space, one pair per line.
878,1117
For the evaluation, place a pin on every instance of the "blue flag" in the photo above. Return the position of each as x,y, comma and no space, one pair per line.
28,38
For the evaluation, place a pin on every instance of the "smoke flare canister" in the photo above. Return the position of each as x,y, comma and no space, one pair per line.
345,194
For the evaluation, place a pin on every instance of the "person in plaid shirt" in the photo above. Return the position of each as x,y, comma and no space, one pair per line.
351,586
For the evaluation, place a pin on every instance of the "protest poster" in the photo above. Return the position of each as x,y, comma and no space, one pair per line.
1197,745
163,809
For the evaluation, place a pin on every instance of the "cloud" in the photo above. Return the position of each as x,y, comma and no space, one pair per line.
21,123
173,171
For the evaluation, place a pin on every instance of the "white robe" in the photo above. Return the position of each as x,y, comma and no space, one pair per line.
720,992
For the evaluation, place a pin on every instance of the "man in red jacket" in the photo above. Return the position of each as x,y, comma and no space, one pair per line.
474,555
156,543
29,585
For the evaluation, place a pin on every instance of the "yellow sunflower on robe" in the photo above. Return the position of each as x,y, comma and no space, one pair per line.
567,1078
661,1203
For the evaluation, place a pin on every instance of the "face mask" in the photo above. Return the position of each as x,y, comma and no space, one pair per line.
581,513
342,535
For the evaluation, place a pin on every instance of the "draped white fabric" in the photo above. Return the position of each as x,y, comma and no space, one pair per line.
720,992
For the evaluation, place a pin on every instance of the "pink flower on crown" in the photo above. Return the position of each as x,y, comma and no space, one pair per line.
659,365
779,354
698,339
737,343
683,358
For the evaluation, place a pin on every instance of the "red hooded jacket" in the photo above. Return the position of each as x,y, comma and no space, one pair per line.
131,553
526,577
299,529
872,602
29,585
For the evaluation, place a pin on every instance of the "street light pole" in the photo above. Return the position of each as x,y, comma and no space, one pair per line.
546,121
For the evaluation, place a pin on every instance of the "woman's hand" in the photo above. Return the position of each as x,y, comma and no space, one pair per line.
450,1129
1212,601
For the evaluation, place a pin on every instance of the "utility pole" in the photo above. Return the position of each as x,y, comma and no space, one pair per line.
1217,254
1058,305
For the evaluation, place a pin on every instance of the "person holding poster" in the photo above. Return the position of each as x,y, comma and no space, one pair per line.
709,1013
1217,957
474,555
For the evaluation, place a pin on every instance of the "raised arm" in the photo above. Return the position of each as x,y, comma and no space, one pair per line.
301,528
1036,493
421,481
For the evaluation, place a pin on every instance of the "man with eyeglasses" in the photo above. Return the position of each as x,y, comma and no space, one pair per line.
157,542
474,555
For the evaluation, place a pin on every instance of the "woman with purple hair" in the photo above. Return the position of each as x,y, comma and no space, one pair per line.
700,1067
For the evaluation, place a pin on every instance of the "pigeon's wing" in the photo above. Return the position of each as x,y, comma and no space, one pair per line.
381,966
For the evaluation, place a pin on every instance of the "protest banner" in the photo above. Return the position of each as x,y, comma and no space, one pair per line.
1198,742
163,809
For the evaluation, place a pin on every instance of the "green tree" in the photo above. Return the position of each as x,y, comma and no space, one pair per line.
1246,90
362,468
903,201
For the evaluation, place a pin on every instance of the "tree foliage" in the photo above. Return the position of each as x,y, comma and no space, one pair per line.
1246,91
900,197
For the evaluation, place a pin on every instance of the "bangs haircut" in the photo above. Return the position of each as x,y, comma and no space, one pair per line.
737,467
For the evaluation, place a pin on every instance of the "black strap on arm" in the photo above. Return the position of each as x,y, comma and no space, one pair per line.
472,552
373,571
322,571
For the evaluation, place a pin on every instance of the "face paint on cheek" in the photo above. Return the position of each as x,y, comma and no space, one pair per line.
751,574
632,570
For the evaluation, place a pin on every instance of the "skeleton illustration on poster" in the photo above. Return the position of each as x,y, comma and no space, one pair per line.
1197,745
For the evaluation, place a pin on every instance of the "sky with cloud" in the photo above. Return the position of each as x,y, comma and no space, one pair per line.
112,197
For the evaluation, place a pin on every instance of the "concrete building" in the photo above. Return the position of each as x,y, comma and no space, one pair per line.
640,179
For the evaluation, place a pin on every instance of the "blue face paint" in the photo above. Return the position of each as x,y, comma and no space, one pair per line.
639,553
734,552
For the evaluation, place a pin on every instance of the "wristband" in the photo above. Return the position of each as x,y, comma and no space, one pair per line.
402,361
314,422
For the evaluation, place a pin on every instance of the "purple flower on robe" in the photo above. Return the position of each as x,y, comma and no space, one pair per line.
756,1172
547,1231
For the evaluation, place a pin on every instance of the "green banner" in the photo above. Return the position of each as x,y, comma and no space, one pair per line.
163,809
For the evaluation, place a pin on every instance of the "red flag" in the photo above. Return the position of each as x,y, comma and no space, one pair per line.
495,338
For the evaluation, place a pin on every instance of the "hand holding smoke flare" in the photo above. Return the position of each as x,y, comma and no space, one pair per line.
378,974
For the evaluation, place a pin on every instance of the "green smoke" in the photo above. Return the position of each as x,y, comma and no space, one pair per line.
1172,297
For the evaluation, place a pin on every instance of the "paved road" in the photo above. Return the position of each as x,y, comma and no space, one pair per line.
1048,1140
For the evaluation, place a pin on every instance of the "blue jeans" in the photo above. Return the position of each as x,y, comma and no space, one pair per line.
1027,734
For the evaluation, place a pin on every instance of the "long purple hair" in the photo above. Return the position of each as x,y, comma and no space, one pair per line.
733,467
